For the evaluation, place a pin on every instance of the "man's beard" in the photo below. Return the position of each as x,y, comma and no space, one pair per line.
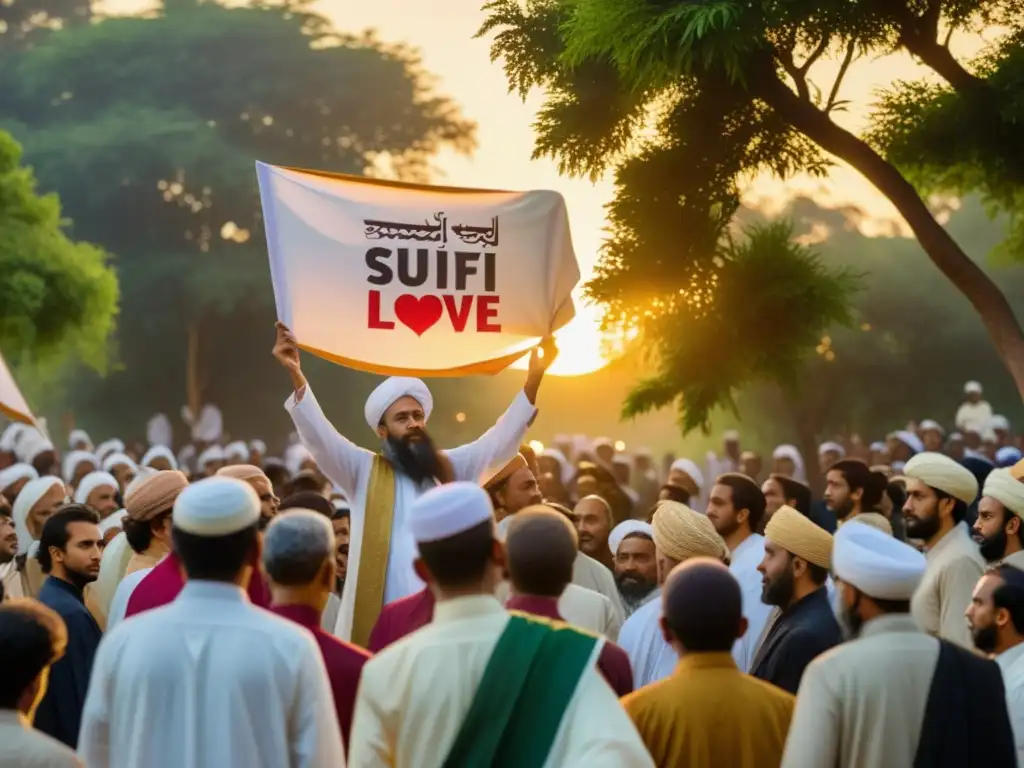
992,547
985,638
779,591
843,510
418,459
80,579
632,586
922,528
851,620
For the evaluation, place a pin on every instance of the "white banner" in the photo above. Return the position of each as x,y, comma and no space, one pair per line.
12,403
416,280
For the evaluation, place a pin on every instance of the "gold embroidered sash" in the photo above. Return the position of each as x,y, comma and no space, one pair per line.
373,550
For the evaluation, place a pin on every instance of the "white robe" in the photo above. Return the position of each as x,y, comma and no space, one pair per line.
123,593
209,681
954,566
348,466
414,696
1011,664
650,656
743,565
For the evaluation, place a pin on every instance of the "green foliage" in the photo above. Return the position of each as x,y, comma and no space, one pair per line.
148,129
686,102
57,298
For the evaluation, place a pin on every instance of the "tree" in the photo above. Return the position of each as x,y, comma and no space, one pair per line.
729,89
58,298
148,127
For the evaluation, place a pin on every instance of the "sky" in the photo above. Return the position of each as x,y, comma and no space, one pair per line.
443,31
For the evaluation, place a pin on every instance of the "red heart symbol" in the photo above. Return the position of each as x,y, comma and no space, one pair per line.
419,313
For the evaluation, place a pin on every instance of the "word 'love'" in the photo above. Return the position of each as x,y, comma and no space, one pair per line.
421,313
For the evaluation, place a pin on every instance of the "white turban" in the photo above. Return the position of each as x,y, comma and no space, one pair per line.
71,462
936,470
831,448
909,439
160,452
216,506
877,564
110,446
392,390
627,528
690,468
213,453
30,496
31,444
1004,488
972,388
237,451
79,436
793,454
448,510
91,482
119,460
11,436
258,446
16,472
930,425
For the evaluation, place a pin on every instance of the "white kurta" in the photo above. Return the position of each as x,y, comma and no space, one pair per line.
1011,664
650,656
209,681
862,704
593,575
414,696
348,466
954,567
123,593
743,565
581,607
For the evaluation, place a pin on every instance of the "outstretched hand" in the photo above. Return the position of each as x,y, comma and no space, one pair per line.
286,350
541,358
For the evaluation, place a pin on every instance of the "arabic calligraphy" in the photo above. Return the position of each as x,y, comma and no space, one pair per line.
375,229
476,235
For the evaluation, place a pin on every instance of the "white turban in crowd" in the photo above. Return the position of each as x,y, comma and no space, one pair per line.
831,448
448,510
108,447
208,427
159,430
216,506
936,470
680,533
91,482
1004,488
31,444
877,564
9,439
30,495
79,436
237,452
160,452
793,454
72,460
16,472
628,528
796,534
211,454
1007,456
295,456
119,460
392,390
258,446
909,439
691,470
972,388
930,425
565,470
999,422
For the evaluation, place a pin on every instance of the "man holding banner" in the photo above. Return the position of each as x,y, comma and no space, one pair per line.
383,486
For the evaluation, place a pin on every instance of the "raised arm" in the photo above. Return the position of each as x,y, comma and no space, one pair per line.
501,442
342,461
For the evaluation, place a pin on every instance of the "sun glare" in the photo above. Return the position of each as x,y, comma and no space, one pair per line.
580,345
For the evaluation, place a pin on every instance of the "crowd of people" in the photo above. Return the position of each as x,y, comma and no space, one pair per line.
506,603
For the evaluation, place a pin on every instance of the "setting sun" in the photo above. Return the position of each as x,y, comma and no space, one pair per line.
581,347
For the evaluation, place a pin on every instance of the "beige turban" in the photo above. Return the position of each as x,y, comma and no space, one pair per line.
875,520
680,533
1017,471
1001,486
242,472
944,474
795,533
496,478
155,494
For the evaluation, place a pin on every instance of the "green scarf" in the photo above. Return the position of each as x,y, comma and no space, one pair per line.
529,681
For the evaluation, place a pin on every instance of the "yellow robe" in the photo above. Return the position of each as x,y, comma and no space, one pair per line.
708,714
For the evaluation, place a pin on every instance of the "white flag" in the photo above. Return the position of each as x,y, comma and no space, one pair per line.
415,280
12,403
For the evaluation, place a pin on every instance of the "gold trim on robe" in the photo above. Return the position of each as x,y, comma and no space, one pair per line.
376,542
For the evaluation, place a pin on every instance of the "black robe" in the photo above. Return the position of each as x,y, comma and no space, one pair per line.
803,631
965,721
60,712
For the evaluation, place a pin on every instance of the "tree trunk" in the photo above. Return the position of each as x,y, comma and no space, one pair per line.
193,371
986,298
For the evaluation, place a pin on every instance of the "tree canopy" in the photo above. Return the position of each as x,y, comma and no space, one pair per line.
685,102
58,298
148,128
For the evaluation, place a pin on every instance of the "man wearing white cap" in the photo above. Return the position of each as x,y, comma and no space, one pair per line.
894,696
636,567
526,692
234,686
382,486
999,529
974,414
939,490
